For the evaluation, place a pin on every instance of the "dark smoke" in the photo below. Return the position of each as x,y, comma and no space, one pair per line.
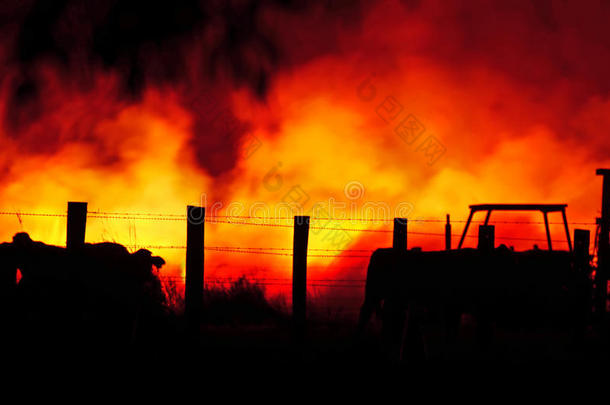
194,44
558,51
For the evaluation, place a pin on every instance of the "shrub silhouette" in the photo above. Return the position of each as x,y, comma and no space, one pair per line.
242,302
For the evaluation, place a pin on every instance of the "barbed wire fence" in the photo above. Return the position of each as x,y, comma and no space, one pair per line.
277,222
274,222
353,224
280,222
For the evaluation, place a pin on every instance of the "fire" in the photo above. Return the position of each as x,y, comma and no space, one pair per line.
363,112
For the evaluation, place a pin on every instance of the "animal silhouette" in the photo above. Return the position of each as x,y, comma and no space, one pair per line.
96,294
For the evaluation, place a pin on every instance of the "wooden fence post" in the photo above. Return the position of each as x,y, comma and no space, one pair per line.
580,287
486,238
399,240
582,240
448,233
193,289
602,273
299,275
77,223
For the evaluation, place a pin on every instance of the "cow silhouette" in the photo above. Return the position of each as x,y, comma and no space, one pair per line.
98,294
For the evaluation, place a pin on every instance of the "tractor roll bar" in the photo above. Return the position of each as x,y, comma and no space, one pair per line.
544,208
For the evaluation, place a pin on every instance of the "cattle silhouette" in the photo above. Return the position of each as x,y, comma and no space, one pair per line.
98,295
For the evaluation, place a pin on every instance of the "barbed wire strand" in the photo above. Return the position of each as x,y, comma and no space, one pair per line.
98,214
180,217
277,282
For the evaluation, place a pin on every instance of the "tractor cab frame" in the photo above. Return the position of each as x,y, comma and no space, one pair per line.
543,208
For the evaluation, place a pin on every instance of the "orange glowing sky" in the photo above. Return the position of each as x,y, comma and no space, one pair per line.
514,94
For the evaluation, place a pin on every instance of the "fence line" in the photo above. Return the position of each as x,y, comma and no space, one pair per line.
242,220
236,278
181,217
194,281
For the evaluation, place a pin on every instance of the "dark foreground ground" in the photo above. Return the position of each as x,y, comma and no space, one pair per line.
326,343
240,327
272,344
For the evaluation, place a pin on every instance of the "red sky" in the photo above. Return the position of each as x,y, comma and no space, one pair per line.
236,105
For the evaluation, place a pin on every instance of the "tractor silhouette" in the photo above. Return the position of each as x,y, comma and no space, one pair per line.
496,285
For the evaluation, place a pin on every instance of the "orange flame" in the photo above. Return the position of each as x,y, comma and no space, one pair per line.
387,125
